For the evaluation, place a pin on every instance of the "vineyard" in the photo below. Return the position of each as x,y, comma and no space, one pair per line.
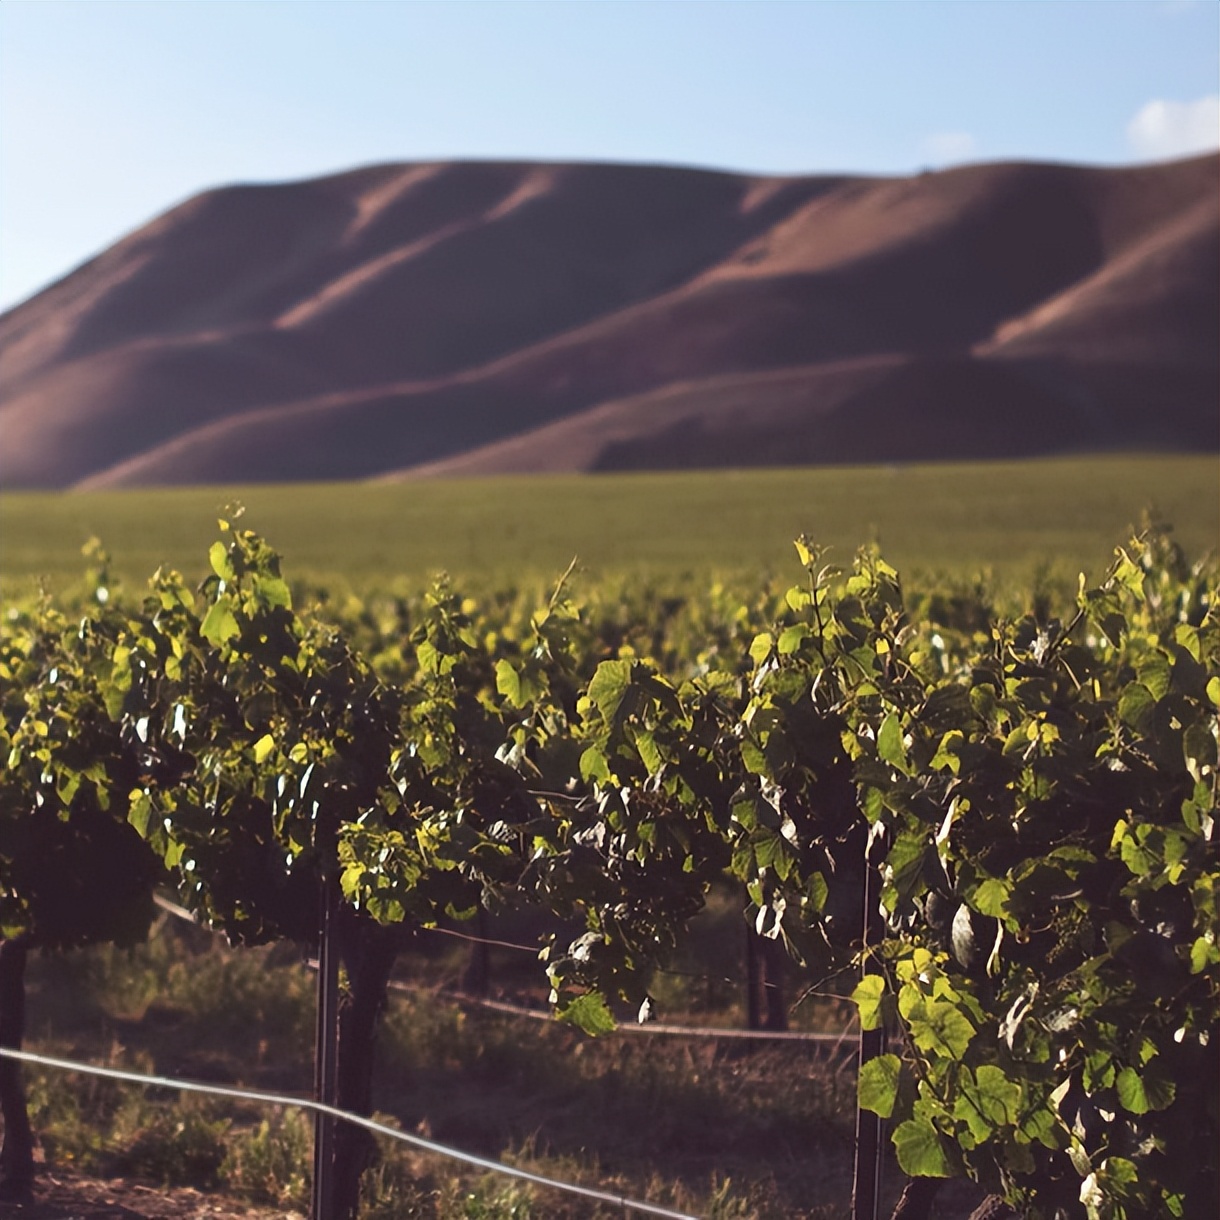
986,829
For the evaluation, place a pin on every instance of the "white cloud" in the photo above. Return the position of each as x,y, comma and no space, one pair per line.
947,147
1175,129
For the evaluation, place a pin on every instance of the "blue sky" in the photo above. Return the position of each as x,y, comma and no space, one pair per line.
112,112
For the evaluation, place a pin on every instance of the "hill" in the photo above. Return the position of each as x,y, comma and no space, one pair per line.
410,320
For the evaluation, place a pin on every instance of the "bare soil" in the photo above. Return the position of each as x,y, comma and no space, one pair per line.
62,1194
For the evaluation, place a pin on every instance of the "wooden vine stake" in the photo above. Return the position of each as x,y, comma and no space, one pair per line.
326,1046
866,1185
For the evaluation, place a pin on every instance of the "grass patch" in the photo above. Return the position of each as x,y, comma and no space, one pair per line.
715,1128
1013,519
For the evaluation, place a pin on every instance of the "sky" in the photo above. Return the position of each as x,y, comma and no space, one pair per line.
112,111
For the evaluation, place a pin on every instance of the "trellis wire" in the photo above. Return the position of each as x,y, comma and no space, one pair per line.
369,1124
516,1010
650,1027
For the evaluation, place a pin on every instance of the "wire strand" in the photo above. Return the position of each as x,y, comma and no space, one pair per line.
650,1027
359,1120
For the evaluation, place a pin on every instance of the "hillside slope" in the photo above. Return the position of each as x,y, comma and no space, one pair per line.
407,320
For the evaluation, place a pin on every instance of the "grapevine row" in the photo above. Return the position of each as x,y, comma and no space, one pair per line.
1028,803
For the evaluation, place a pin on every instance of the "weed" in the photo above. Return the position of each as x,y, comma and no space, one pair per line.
271,1163
178,1145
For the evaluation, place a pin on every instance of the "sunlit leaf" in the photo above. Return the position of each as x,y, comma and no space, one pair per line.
219,624
922,1150
590,1013
868,997
878,1084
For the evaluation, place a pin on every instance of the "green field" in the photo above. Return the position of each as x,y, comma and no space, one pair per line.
1010,518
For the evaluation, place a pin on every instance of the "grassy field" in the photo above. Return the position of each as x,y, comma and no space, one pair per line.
1010,518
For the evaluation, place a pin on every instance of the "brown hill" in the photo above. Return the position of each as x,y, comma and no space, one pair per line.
457,318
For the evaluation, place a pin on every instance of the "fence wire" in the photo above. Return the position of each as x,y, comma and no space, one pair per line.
832,1038
358,1120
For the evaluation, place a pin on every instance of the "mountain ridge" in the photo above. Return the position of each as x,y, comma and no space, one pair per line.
421,320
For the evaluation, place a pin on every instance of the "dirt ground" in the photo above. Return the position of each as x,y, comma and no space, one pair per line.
63,1195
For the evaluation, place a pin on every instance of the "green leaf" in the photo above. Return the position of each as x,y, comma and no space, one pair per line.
760,647
1139,1094
593,766
1203,953
263,747
878,1087
755,760
1188,637
608,686
816,892
948,752
513,685
590,1013
1154,672
650,755
990,897
769,850
1041,1127
867,997
890,747
990,1096
1017,741
937,1026
1138,856
1213,690
790,640
219,624
905,862
218,557
352,879
1135,703
66,786
428,656
271,591
139,811
1128,572
921,1150
798,598
1199,748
